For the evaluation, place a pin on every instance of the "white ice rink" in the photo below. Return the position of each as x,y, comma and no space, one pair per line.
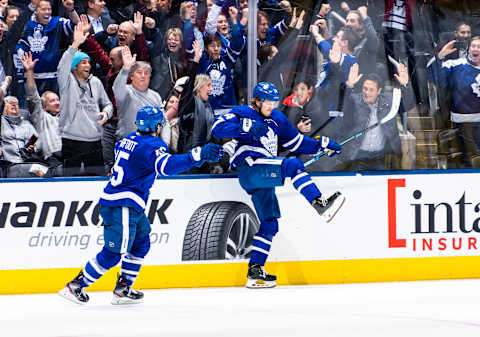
433,308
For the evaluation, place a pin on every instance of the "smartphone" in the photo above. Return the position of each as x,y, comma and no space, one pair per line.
31,141
304,118
460,45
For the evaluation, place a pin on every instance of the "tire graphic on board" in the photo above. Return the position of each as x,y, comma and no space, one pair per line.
220,230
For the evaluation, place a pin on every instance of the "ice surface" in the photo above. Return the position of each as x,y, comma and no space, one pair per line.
404,309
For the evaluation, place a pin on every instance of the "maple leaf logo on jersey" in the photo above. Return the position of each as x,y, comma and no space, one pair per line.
270,142
37,42
476,86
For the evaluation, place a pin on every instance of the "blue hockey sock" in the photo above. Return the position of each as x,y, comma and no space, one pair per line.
262,241
130,267
260,250
301,180
132,261
96,267
304,184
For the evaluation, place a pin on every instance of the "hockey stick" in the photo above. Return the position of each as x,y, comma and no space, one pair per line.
397,96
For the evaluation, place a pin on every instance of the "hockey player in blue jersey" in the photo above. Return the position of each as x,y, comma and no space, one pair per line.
139,159
256,130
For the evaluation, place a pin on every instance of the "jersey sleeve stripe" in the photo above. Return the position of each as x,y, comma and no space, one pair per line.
292,141
163,157
297,145
162,167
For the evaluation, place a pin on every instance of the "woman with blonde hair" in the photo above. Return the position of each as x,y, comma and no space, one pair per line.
195,113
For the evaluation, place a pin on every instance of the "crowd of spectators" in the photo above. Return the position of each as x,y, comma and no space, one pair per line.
73,73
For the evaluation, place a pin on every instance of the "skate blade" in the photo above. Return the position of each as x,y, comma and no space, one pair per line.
124,300
65,293
333,210
256,284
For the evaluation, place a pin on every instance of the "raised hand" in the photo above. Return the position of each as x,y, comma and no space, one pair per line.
402,76
87,26
345,6
128,59
299,24
285,5
79,35
27,62
294,19
197,51
335,54
6,82
353,76
447,49
68,4
138,22
324,10
233,13
363,12
112,29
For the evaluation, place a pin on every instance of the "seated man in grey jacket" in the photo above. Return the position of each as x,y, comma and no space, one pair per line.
15,134
85,108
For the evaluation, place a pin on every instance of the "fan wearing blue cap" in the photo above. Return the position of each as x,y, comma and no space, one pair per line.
139,158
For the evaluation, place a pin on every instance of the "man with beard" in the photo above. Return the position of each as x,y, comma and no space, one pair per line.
366,50
462,78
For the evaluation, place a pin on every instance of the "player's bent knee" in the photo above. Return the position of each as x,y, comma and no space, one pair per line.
268,229
140,247
291,167
108,259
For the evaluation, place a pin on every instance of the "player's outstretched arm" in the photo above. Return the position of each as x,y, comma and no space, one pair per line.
167,164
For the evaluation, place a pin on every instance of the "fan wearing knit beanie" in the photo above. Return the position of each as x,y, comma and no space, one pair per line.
84,109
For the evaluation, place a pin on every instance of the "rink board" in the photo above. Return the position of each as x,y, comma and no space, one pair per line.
394,227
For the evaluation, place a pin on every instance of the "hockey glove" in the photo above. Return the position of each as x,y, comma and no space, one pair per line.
208,152
256,129
331,146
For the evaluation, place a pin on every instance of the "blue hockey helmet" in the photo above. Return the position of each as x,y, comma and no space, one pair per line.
266,91
148,118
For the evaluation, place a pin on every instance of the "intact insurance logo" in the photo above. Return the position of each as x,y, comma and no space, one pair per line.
421,220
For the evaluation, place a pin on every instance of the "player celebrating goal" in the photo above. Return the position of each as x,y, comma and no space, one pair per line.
139,158
256,130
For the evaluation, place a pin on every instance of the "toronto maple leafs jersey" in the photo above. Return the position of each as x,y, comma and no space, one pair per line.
44,43
462,77
220,72
280,130
138,161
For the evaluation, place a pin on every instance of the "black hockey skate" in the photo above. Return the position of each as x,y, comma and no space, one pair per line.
74,292
124,294
328,208
257,277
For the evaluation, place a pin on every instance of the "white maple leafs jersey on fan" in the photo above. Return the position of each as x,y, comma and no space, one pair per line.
279,130
138,161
